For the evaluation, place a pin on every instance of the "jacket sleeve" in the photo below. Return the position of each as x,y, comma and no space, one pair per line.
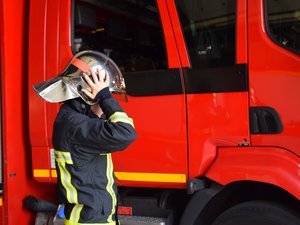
103,135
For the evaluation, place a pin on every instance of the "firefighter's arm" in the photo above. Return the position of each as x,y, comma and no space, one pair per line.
103,136
110,135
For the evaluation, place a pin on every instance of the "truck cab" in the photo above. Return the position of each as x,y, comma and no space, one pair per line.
212,87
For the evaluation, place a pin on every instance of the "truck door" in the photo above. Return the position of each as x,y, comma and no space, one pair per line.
216,80
138,36
274,62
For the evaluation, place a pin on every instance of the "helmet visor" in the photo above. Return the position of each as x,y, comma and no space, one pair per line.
55,90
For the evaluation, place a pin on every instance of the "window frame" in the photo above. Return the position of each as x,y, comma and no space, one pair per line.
271,34
163,39
206,60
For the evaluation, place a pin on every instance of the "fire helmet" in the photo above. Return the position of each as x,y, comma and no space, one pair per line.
68,84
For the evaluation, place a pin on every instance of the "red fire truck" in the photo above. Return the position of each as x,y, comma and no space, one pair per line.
213,87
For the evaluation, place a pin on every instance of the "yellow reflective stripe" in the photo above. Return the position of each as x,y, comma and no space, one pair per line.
151,177
68,222
65,178
75,214
63,157
67,154
41,173
120,117
109,186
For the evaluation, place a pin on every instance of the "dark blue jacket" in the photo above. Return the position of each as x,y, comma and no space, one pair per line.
83,145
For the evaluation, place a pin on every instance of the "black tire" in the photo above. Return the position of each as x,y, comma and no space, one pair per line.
258,213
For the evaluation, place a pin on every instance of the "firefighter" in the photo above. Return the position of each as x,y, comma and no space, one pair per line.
89,127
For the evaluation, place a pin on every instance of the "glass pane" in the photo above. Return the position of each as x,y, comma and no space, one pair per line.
283,23
129,31
209,30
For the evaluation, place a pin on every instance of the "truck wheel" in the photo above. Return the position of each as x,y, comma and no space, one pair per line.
258,213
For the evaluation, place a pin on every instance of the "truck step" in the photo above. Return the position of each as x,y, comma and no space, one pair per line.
47,219
141,220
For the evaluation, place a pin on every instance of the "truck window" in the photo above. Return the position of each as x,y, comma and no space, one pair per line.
128,31
209,30
283,23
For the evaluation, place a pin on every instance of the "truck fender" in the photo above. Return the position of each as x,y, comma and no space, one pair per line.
271,165
197,203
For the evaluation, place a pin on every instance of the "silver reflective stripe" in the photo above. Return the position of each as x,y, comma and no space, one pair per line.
63,157
65,178
121,117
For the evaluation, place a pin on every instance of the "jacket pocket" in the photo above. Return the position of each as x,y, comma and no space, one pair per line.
80,158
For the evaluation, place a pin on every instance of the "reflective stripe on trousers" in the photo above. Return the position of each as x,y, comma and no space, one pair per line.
67,222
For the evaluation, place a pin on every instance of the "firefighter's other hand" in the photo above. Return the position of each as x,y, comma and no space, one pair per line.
99,82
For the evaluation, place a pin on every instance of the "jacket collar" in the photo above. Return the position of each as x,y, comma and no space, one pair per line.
80,106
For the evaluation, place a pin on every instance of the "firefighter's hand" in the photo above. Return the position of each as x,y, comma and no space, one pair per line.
99,82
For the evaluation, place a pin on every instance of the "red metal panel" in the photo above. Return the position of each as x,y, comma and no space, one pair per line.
36,70
269,164
49,53
1,62
13,105
43,57
65,24
241,54
184,58
274,81
18,182
38,127
172,54
218,119
160,122
52,54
